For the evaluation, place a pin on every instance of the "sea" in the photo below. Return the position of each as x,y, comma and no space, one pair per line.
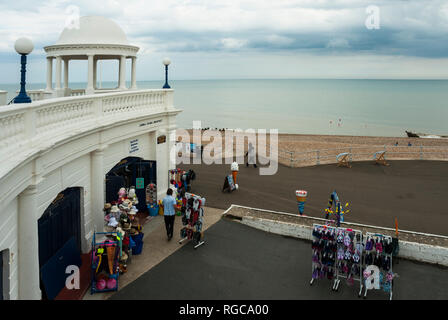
333,107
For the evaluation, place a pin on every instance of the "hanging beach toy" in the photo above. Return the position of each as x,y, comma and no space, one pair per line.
111,258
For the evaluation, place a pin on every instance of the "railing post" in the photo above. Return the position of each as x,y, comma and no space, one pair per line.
318,156
290,158
350,151
421,152
30,123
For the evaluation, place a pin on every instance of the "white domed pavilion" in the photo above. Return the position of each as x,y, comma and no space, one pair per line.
94,38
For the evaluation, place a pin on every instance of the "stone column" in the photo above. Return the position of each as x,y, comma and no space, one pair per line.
122,73
66,62
98,186
95,68
133,76
49,74
28,246
58,72
90,89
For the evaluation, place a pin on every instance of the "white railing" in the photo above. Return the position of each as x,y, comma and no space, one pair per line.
77,92
362,153
26,126
35,95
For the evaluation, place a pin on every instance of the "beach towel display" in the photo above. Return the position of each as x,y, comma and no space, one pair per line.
301,199
378,255
105,262
193,219
181,179
342,253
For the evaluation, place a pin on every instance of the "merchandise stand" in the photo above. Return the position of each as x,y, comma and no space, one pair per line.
349,250
192,219
96,260
379,252
323,252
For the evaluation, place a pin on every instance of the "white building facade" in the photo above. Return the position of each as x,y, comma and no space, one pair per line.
50,145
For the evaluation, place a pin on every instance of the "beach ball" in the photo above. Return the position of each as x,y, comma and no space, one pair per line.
111,283
101,284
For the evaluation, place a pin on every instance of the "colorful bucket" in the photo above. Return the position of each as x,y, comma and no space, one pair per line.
153,210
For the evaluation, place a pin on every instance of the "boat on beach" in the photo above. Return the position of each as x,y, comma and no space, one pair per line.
423,135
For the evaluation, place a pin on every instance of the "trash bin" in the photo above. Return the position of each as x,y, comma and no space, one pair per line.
138,240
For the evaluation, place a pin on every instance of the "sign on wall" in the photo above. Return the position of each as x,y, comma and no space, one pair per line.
161,139
133,146
140,183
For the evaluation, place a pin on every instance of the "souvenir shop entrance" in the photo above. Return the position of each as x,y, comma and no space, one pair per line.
59,231
131,171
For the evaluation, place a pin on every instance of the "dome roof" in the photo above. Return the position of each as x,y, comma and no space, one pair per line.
93,30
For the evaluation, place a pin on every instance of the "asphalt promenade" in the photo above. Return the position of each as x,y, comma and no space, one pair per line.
239,262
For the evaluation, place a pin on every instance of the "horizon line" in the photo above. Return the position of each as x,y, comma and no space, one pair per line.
225,79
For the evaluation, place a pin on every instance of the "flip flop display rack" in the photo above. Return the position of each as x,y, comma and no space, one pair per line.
192,219
340,253
378,253
336,255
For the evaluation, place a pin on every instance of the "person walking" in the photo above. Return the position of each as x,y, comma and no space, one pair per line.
169,211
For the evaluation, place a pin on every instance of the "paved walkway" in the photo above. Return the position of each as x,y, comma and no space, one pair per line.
239,262
155,249
412,191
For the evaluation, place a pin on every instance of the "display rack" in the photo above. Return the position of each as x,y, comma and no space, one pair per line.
96,260
380,253
323,252
192,219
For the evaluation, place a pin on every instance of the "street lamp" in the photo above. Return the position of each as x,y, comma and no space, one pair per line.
166,62
23,47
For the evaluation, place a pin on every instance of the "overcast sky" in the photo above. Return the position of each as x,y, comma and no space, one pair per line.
211,39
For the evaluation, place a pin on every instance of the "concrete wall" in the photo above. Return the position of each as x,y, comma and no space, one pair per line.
408,250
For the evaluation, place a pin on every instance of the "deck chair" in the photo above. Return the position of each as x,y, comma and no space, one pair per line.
344,160
378,157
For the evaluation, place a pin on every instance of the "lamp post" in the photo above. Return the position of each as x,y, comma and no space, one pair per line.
23,47
166,62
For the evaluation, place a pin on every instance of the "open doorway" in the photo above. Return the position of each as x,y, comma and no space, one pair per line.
131,171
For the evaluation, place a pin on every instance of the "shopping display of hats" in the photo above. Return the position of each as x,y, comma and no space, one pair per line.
107,206
134,210
114,209
121,192
113,222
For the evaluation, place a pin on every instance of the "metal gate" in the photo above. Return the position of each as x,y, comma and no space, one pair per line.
60,222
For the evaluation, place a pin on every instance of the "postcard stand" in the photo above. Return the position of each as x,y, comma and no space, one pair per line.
378,256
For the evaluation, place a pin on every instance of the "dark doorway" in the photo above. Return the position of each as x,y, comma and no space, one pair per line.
60,223
131,171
